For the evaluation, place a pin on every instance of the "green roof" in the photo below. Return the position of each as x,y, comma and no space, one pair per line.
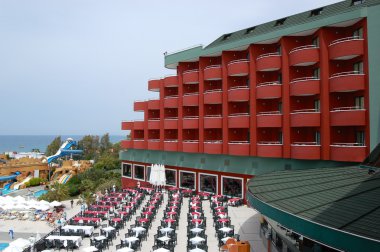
344,198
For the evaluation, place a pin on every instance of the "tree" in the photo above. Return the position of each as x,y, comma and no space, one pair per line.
53,146
107,162
90,146
105,144
58,192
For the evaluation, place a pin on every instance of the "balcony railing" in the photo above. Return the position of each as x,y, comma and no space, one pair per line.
269,113
238,142
153,140
268,83
189,94
213,141
190,71
191,117
153,119
213,91
345,39
238,87
269,143
213,116
268,55
171,96
300,48
212,66
304,79
238,114
346,74
171,140
349,144
238,61
171,118
138,139
305,144
347,109
190,141
297,111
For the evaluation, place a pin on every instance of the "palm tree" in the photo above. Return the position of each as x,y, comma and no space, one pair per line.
86,197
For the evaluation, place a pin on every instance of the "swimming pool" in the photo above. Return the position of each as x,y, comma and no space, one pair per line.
5,191
39,193
3,246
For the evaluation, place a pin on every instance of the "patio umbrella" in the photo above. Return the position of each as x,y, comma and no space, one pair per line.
153,175
162,176
55,203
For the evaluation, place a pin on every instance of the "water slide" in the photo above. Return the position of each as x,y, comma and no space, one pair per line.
64,178
17,185
65,150
8,186
9,177
67,179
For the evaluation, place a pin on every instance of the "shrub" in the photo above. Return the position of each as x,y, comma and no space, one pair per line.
73,190
35,181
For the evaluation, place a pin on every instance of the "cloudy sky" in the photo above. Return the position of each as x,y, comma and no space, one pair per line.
76,66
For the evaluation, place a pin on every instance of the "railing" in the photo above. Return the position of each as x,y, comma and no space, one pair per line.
153,119
268,55
305,144
348,144
213,91
213,141
305,111
238,142
190,141
189,94
171,140
237,61
305,47
191,117
153,140
170,75
158,78
213,116
238,114
277,112
171,118
238,87
138,139
268,83
346,73
191,71
347,108
304,79
269,143
171,96
337,41
213,66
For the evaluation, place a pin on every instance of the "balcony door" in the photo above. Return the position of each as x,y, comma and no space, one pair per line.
360,138
318,138
359,102
358,33
358,67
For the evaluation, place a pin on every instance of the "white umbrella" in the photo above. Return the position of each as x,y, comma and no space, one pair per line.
44,202
162,176
153,175
55,203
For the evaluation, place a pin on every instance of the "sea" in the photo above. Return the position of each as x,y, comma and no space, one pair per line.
19,143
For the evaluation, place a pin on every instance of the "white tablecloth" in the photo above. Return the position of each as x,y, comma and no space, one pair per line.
197,239
163,238
196,230
225,229
166,230
125,250
76,239
100,238
90,249
87,229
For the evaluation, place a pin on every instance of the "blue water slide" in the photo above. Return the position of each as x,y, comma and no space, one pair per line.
9,177
8,186
65,150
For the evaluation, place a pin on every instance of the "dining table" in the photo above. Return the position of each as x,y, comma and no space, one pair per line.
87,229
197,240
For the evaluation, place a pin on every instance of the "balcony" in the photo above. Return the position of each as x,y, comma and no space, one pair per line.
154,123
271,149
139,144
138,125
269,90
190,122
191,146
268,62
126,144
269,119
154,144
238,67
191,76
306,150
154,85
213,96
240,120
191,99
239,148
238,94
348,116
304,55
304,86
171,81
305,118
213,121
171,145
347,81
126,125
171,101
154,104
171,123
348,152
213,147
346,48
139,106
212,73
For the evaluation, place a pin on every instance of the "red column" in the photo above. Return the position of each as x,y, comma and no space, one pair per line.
225,60
146,124
285,98
252,102
180,108
162,131
202,65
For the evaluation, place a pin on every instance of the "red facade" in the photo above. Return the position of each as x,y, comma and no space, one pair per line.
301,97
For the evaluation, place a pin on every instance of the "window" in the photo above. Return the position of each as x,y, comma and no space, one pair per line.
280,22
358,67
279,49
316,12
148,169
317,105
208,183
139,172
316,73
232,187
315,41
250,30
187,180
127,170
317,138
358,33
359,102
357,2
360,138
226,36
279,78
280,137
171,177
280,107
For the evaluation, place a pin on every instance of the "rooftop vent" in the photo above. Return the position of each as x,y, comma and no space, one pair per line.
280,22
226,36
357,2
249,30
316,12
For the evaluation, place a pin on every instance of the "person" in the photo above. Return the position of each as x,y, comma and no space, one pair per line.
72,203
138,184
114,188
11,233
82,208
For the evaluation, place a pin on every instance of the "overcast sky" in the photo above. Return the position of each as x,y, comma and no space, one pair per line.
76,66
